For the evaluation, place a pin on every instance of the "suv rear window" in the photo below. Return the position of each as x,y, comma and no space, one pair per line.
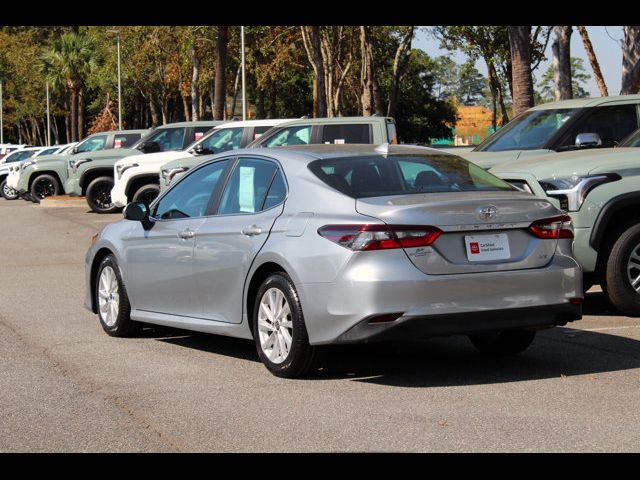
378,176
347,133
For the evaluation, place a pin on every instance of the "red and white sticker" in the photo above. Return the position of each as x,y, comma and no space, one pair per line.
198,136
339,141
117,143
481,248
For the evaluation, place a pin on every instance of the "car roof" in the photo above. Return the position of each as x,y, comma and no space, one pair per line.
330,120
589,102
199,123
254,123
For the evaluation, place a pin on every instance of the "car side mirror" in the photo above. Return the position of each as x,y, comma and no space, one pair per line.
200,149
138,212
149,147
74,150
585,140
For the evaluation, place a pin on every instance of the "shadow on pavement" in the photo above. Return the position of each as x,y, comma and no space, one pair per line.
450,361
596,303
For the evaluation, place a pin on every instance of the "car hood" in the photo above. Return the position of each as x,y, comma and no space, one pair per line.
491,159
567,164
159,158
48,159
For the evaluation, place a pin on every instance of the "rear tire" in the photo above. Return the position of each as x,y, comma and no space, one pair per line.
98,195
506,342
112,300
622,274
279,330
7,192
147,193
44,186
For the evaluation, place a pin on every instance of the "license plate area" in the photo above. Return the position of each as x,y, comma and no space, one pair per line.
484,248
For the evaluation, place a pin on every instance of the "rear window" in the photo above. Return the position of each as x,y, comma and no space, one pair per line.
378,176
347,133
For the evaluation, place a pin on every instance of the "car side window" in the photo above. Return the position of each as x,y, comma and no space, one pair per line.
223,139
125,140
299,135
168,138
611,123
92,144
199,131
248,186
346,133
190,196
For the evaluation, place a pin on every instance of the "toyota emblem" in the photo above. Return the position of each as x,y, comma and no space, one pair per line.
488,213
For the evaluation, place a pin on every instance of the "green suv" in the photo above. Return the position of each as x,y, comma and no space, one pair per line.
600,190
44,176
559,127
336,130
92,175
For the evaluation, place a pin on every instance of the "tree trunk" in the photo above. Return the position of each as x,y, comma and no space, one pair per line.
220,93
399,62
366,98
260,106
185,108
631,60
561,48
81,114
155,114
195,94
164,109
74,115
595,66
520,44
235,93
273,96
311,40
497,96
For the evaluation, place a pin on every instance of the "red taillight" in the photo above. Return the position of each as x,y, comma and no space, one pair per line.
380,237
552,228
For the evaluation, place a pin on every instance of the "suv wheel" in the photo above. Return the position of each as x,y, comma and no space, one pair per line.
44,186
279,330
507,342
622,274
99,195
7,192
112,300
146,193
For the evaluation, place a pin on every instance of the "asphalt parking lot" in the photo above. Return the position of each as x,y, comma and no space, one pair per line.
67,386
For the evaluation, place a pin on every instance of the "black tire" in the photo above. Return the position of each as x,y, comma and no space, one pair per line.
617,284
507,342
98,195
7,192
123,325
44,186
302,358
147,193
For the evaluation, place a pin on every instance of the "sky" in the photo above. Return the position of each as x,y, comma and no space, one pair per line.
605,41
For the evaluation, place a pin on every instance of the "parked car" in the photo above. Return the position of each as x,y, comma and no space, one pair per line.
337,130
137,177
53,150
600,190
17,157
559,127
300,247
92,175
7,148
45,176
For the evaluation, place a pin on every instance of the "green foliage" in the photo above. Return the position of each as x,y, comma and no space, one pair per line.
579,77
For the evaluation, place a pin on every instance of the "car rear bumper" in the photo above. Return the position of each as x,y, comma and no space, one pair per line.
340,311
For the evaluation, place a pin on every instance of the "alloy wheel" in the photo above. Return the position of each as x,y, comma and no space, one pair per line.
108,296
102,196
44,188
633,268
9,192
275,327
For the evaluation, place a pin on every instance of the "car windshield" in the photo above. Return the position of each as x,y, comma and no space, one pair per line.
19,155
378,176
529,131
633,140
222,140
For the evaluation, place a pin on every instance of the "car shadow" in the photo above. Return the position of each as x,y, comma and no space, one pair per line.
560,352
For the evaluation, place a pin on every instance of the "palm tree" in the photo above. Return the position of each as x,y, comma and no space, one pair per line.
520,43
68,61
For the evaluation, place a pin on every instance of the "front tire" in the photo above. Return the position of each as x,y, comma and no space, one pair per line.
622,274
98,195
112,300
279,330
507,342
44,186
7,192
147,193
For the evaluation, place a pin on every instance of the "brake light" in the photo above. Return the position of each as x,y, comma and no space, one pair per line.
552,228
380,237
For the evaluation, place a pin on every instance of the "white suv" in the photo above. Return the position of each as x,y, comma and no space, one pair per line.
136,177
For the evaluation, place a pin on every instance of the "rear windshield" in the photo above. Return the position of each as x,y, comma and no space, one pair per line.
378,176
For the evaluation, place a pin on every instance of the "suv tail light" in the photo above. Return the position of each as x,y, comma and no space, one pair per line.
553,228
380,237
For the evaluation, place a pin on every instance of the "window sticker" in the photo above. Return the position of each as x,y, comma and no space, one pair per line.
338,141
199,135
256,136
117,143
246,194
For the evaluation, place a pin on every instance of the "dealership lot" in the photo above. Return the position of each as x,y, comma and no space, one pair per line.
67,386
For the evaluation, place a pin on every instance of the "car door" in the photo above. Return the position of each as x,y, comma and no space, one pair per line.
160,260
228,242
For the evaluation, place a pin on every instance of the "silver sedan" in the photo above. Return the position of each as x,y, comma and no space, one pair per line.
300,247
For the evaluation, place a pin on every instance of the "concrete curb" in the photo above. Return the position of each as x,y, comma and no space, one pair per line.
64,201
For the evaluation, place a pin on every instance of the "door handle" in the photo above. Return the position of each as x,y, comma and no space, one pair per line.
187,233
251,231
